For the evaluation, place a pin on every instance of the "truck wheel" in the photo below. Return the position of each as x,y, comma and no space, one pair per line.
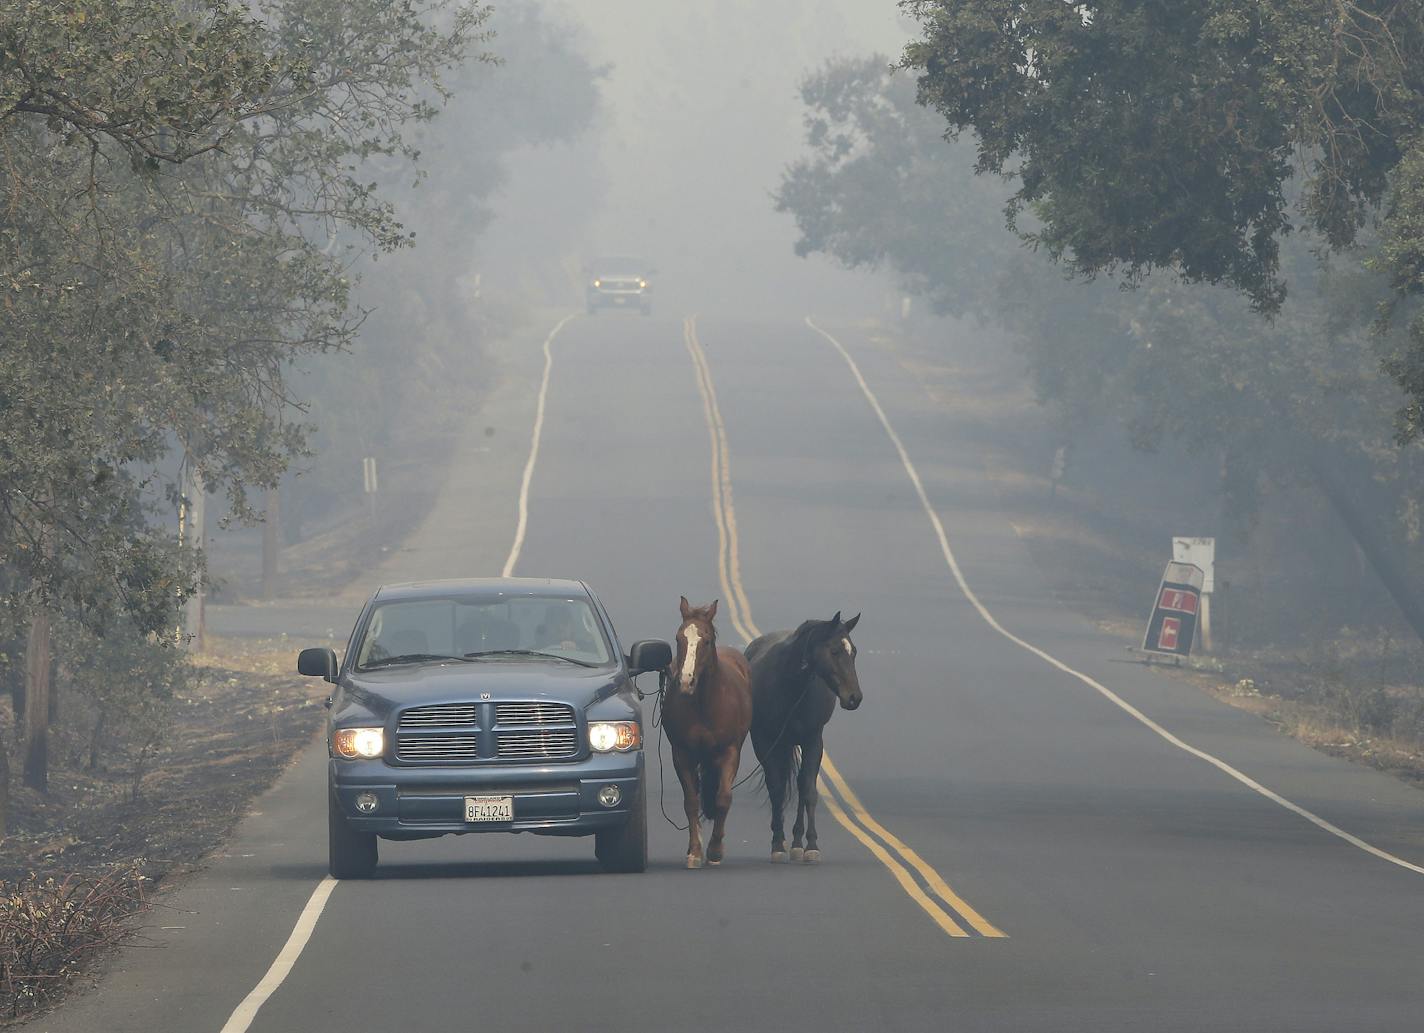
351,854
625,849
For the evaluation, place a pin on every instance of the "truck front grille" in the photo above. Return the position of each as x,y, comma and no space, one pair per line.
456,733
535,712
440,715
439,747
538,744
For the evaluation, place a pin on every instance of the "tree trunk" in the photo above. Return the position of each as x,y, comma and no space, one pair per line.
37,673
270,545
1373,542
4,786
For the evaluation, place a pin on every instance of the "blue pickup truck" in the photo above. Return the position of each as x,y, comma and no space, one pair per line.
497,705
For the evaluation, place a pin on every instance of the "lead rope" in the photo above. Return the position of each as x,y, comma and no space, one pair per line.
657,695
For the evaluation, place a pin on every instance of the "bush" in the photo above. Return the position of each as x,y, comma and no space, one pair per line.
50,929
120,689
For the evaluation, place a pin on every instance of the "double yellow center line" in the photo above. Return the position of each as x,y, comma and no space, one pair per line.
925,886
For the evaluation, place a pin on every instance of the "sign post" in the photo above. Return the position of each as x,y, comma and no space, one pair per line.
371,483
1200,553
1173,622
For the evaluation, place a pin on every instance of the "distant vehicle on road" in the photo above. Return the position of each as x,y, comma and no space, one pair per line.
619,282
499,705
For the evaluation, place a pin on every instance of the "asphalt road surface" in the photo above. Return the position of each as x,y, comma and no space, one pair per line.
1027,854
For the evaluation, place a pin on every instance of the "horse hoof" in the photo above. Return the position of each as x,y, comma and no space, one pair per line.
811,856
797,854
694,862
715,864
778,857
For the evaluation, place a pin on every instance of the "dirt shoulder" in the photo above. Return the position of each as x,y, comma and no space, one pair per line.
118,834
236,729
1098,536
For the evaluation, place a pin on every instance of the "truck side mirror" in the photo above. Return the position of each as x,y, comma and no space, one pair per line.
317,662
649,655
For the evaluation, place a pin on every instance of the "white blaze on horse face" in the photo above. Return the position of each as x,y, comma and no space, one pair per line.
689,659
850,649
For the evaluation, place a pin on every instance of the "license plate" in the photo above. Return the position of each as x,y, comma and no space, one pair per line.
619,301
489,808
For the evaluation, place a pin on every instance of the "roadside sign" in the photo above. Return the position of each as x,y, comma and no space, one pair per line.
1173,623
1201,553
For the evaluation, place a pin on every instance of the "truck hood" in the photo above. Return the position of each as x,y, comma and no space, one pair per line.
383,690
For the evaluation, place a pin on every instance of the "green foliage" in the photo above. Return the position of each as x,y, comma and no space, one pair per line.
873,190
1177,365
172,179
1193,136
1163,135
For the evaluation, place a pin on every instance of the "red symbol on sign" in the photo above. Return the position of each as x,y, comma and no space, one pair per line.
1176,599
1167,637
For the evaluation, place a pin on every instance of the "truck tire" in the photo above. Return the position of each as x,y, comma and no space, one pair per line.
625,849
350,854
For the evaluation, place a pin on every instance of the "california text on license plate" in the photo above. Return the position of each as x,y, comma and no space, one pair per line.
489,808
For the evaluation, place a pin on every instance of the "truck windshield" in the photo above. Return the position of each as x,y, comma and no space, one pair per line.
519,627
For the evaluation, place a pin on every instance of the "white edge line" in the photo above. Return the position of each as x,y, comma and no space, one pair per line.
242,1018
1053,661
533,452
281,967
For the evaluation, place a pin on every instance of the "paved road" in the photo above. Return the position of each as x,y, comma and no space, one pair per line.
1139,887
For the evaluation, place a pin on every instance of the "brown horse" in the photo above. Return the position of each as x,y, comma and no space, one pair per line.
707,711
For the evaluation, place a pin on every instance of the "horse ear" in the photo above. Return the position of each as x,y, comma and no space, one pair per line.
836,620
712,610
684,607
850,624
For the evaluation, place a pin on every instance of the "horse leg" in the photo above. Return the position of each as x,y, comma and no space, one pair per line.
727,765
686,767
809,794
798,852
776,774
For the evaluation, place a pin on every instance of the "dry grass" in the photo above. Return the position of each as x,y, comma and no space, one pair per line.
52,929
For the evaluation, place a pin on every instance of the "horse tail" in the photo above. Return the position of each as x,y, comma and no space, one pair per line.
710,775
793,774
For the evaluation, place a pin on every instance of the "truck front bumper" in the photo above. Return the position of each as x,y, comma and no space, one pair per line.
553,799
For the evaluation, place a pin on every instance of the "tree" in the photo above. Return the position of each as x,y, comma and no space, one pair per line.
419,358
172,175
1194,136
1297,398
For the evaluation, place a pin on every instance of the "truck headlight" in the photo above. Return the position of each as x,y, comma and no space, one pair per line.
607,736
351,743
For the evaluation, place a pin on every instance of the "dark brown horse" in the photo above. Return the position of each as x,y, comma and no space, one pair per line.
797,679
707,710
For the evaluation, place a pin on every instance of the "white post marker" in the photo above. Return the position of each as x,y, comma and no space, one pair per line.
371,483
1200,553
